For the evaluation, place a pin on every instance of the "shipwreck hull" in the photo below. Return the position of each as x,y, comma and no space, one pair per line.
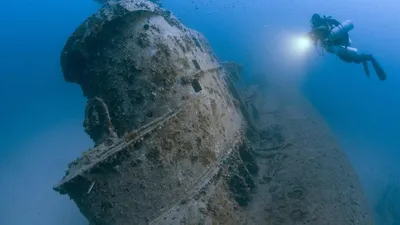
137,185
166,131
176,139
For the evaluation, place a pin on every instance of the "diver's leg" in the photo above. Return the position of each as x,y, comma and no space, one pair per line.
351,55
364,58
366,69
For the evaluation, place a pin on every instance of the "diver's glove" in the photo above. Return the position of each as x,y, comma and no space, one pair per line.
310,35
326,42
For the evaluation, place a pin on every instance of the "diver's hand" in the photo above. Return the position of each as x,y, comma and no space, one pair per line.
325,42
309,35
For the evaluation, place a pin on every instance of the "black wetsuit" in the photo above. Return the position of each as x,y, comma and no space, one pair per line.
321,29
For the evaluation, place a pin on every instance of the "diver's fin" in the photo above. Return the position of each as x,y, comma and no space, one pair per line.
366,69
378,69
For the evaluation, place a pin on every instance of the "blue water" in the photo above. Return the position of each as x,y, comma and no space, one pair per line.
41,115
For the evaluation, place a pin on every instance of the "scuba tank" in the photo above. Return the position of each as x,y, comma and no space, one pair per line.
337,32
340,30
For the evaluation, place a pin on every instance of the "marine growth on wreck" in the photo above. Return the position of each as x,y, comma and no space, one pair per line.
165,128
177,143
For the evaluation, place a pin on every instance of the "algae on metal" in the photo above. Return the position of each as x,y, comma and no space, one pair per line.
161,118
176,141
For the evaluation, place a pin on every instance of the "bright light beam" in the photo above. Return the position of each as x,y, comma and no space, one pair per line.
287,52
301,44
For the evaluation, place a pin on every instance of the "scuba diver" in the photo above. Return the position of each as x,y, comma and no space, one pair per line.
334,38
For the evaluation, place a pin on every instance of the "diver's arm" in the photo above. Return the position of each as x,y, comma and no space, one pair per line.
313,38
318,34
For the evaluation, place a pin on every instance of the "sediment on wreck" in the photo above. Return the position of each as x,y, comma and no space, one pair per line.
166,130
304,177
177,143
300,173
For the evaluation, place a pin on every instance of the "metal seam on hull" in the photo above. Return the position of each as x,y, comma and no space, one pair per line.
207,70
205,181
123,143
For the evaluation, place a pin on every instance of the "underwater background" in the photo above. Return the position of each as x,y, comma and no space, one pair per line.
41,115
